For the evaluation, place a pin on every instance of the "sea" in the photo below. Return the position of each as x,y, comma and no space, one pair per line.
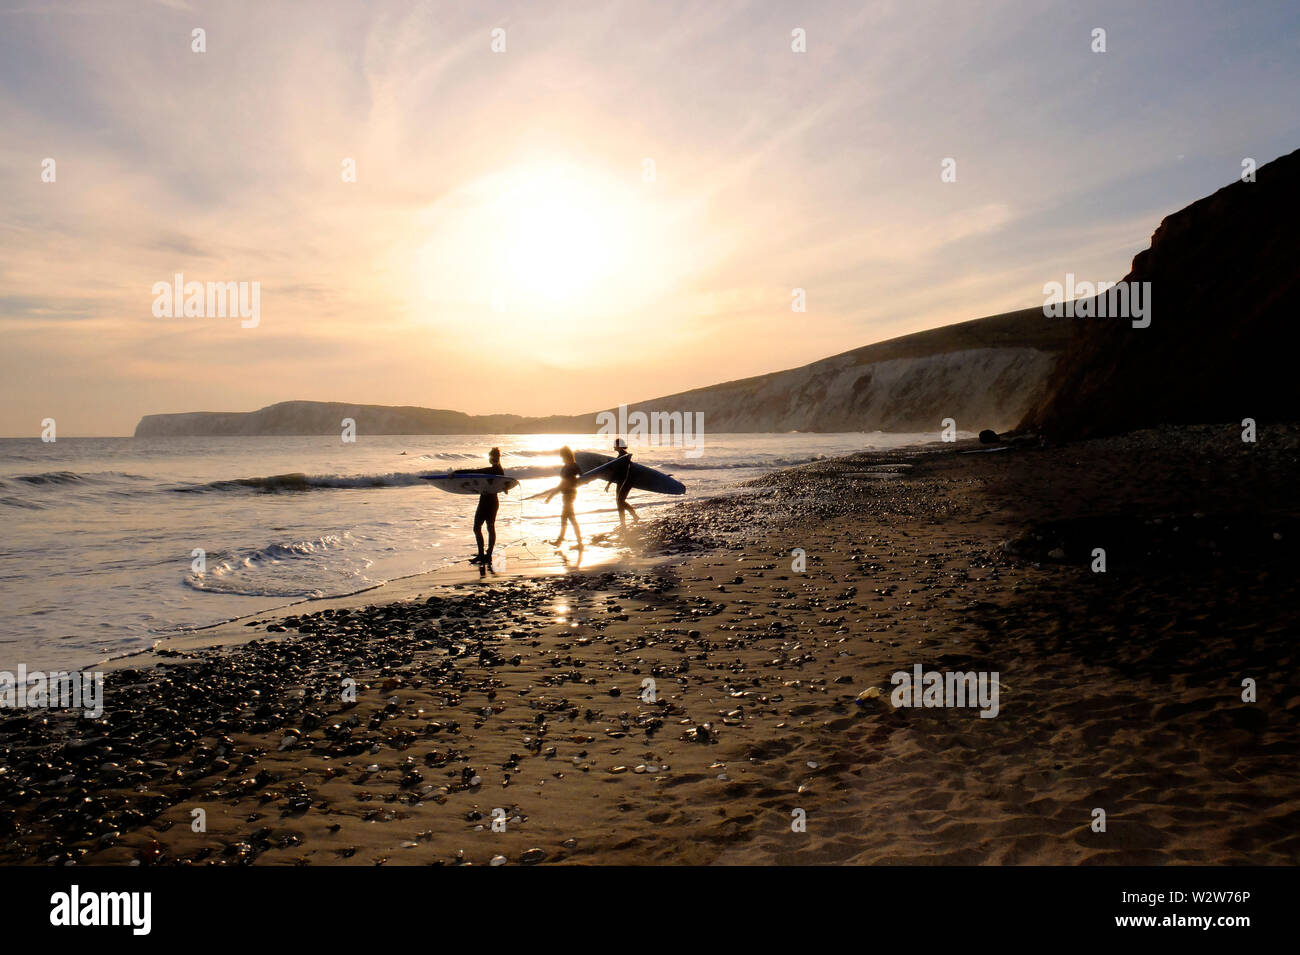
112,544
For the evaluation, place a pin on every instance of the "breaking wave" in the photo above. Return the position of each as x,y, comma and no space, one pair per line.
306,568
75,477
312,482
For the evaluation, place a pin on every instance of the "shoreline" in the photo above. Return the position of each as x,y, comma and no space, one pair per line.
1119,690
227,633
600,554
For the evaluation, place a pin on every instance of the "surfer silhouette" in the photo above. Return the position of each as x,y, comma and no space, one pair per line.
568,488
622,479
486,513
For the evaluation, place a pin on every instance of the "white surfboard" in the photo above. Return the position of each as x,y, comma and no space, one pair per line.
471,483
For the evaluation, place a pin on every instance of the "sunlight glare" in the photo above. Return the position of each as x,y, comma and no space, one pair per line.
548,240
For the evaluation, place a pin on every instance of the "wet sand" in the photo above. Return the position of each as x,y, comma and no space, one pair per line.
526,693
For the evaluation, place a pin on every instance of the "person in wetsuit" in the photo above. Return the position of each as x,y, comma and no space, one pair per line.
486,513
568,487
622,479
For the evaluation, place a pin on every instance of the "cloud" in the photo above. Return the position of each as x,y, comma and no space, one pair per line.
775,170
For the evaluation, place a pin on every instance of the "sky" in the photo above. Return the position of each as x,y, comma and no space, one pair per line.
551,208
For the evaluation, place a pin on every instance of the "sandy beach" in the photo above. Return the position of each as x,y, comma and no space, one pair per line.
508,719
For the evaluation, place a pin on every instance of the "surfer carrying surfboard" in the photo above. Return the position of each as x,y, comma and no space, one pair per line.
486,513
568,488
621,477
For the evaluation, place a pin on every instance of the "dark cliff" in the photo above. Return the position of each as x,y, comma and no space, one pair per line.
1224,274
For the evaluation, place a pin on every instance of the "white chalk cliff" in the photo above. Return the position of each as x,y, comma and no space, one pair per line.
985,373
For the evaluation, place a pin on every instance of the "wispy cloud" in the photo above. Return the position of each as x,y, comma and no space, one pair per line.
775,170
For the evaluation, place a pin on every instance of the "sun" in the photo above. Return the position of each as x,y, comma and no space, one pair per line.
557,240
556,245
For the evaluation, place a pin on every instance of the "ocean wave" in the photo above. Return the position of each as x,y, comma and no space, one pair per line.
119,483
310,482
75,477
51,477
285,569
278,551
39,491
11,501
231,588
